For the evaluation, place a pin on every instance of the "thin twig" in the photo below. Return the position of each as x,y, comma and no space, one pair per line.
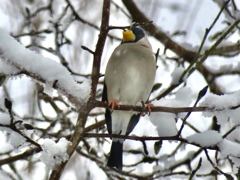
201,94
144,138
156,108
195,170
228,176
231,130
204,40
87,49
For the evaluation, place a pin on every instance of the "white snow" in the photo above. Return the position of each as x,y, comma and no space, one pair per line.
53,153
237,14
4,175
176,74
182,97
229,148
16,140
208,138
225,68
48,88
165,122
236,164
221,105
197,15
40,68
7,69
4,119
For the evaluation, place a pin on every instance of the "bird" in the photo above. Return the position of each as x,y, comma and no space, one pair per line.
129,79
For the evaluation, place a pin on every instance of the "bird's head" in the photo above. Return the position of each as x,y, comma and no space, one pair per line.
132,35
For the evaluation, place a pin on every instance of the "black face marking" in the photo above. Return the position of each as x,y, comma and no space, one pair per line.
138,32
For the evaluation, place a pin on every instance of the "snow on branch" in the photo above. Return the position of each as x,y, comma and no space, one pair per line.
54,153
224,107
208,138
15,58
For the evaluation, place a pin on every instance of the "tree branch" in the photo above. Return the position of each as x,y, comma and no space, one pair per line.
79,129
145,138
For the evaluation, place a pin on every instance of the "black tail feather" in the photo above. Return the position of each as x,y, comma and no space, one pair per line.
115,158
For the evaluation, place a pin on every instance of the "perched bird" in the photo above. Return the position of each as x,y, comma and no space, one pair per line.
129,79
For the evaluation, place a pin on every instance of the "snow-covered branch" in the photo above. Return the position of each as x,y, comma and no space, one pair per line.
15,59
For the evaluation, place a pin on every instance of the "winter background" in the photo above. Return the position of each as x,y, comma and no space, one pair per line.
40,42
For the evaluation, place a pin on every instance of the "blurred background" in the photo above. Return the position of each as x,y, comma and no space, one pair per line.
58,28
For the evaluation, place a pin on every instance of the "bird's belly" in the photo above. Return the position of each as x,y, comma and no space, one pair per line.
131,89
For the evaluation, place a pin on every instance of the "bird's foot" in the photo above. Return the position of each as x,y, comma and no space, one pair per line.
112,104
148,106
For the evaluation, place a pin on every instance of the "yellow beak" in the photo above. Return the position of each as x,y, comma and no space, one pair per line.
128,36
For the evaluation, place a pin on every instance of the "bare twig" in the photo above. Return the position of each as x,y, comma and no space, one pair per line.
87,49
195,170
144,138
228,176
200,95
